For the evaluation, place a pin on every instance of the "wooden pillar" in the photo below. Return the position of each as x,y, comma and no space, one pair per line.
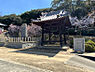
61,41
42,40
49,35
65,36
65,39
49,38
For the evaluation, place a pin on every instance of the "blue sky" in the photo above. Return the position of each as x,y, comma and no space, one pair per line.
20,6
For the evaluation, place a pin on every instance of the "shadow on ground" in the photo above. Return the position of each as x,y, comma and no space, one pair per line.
47,51
2,44
88,57
10,47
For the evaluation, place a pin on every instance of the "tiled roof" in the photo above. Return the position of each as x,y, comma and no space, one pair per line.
54,13
2,24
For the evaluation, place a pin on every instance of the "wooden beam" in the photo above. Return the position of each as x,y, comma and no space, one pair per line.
51,41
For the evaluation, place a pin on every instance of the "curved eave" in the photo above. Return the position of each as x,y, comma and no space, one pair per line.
66,18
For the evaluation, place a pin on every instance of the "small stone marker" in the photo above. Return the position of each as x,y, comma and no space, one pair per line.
79,44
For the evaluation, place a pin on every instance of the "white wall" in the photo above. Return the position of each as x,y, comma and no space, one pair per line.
48,17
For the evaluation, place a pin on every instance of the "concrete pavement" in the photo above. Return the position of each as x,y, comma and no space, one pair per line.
81,62
6,66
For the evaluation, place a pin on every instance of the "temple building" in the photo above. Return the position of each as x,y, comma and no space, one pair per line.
54,23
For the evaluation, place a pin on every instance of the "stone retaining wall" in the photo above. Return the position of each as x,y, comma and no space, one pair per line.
21,45
20,42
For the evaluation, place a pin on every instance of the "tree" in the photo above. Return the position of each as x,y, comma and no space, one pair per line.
33,14
34,30
77,8
23,18
11,19
62,4
13,30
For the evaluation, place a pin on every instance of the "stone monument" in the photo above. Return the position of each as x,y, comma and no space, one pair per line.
79,44
24,30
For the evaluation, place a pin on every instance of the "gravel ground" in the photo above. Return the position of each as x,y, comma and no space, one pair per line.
48,59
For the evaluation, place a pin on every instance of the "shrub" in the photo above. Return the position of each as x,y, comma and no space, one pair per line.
90,42
90,46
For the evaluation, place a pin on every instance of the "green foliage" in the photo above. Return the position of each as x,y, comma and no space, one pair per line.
11,19
33,14
72,31
77,8
90,46
84,32
23,18
90,42
79,12
91,32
